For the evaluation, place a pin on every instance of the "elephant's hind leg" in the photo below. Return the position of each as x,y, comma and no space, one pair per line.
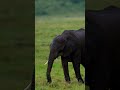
76,66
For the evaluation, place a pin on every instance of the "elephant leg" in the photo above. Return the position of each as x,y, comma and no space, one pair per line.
65,69
76,67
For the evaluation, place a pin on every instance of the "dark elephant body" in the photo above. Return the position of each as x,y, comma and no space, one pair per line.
70,45
102,43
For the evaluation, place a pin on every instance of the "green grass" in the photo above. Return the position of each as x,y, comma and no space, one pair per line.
46,28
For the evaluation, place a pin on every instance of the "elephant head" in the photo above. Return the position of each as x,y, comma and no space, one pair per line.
57,48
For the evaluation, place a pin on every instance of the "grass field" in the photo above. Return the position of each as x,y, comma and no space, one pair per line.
46,28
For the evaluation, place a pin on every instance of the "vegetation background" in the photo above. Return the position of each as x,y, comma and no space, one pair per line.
59,7
52,18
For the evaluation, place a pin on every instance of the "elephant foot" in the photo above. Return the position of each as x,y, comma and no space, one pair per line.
49,80
80,81
67,80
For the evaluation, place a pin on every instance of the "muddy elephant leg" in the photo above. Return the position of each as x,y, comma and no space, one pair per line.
65,69
76,67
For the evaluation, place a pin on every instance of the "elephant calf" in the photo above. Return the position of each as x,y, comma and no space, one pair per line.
70,45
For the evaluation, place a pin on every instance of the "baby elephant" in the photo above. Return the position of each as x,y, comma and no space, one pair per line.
70,45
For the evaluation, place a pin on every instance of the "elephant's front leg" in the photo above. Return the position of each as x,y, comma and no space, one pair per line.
76,66
65,69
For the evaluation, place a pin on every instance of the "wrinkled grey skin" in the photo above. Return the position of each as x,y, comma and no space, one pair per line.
70,45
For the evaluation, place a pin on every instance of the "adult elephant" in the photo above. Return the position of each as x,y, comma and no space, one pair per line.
102,43
70,45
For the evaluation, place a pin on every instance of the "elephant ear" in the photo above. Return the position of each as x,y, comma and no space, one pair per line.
67,49
60,42
66,45
61,39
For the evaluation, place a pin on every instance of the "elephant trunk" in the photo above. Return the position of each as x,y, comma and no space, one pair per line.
49,68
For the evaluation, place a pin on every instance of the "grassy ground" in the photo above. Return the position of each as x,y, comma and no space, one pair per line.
46,28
